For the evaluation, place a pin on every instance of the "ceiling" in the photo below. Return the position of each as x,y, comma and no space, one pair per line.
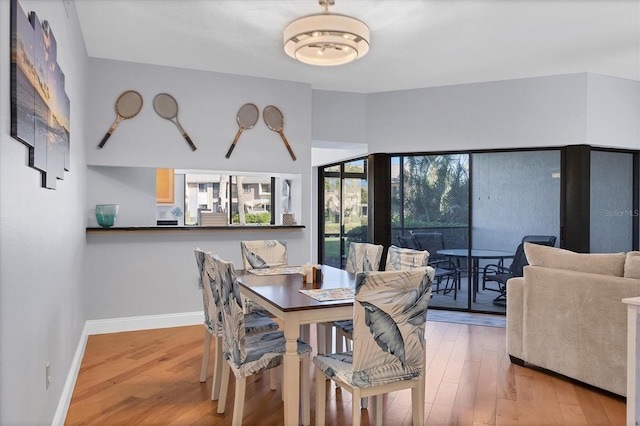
414,43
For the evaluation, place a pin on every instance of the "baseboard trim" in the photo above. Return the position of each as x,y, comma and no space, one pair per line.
115,325
149,322
67,391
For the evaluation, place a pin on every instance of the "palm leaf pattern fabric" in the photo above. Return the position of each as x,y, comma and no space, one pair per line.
210,311
263,254
390,312
363,257
246,354
255,322
403,258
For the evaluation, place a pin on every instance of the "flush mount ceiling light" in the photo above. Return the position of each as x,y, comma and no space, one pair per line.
326,39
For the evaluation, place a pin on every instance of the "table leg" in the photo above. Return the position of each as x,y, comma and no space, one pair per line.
291,379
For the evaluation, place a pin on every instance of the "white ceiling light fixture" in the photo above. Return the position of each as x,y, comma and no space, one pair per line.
326,39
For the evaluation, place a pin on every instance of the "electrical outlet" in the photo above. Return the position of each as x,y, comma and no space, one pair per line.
48,374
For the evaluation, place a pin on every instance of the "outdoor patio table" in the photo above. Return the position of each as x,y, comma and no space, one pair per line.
476,255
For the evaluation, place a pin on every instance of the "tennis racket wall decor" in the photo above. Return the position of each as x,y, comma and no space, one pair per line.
274,120
247,118
166,107
128,105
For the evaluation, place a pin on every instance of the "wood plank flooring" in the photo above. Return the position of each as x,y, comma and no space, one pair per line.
152,378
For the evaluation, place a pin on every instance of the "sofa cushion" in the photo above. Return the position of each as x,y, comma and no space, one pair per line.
594,263
632,265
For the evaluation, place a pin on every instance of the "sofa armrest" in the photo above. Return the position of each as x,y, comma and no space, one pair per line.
514,317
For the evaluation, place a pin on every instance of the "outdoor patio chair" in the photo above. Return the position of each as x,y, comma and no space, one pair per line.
499,274
389,315
447,272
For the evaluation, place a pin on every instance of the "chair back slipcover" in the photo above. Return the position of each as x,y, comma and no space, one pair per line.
264,350
363,257
263,254
212,318
404,258
389,315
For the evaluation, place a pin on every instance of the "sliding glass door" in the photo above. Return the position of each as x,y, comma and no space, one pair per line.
345,210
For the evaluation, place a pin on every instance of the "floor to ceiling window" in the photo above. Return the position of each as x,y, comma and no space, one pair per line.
473,211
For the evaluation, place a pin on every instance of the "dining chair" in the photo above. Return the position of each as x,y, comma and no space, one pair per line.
254,323
399,258
389,315
263,254
247,355
362,257
259,254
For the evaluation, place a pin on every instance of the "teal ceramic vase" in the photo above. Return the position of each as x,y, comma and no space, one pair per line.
106,214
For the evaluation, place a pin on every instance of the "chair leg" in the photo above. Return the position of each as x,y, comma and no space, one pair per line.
273,378
321,390
378,410
355,408
305,393
238,401
339,341
217,369
417,403
224,387
204,369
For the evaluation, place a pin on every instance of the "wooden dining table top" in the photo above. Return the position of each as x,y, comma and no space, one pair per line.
283,290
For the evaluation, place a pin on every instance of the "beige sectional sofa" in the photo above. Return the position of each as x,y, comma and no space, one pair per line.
566,315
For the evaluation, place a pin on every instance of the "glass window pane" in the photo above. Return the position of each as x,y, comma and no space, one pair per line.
611,202
515,194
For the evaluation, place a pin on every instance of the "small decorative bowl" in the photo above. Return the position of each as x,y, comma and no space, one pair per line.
106,214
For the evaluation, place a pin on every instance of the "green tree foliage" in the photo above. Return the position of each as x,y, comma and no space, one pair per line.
435,189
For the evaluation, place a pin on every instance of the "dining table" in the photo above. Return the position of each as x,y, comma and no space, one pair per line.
476,255
279,293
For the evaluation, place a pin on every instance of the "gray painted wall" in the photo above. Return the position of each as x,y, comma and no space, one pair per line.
132,275
53,277
42,241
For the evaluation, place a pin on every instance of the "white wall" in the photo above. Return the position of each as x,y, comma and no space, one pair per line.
613,112
42,240
545,111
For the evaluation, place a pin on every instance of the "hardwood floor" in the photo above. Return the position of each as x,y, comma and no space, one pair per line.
152,377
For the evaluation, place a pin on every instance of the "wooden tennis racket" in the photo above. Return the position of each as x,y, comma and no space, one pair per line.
167,107
128,105
274,120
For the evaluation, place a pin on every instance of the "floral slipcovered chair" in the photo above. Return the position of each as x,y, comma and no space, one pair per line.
263,254
254,323
363,257
389,315
399,259
247,355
